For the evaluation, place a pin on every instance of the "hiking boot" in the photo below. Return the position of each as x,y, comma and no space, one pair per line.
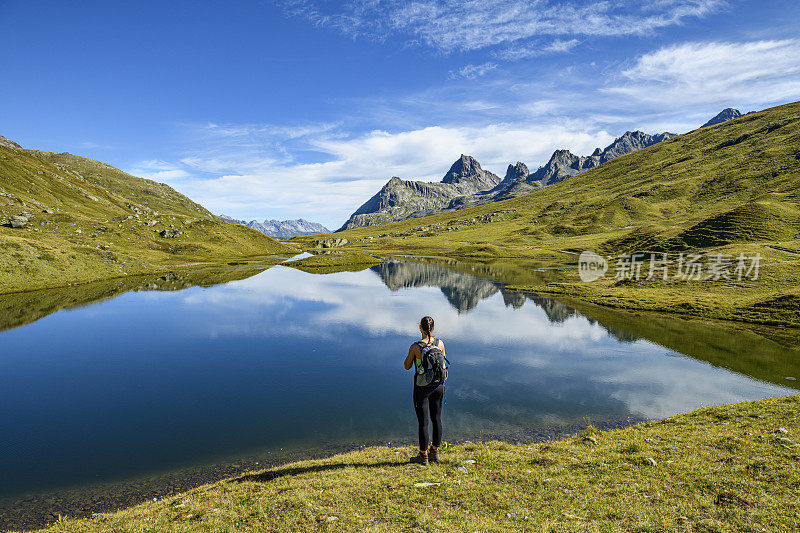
421,459
433,455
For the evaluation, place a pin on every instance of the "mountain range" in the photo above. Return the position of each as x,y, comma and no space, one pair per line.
467,184
281,229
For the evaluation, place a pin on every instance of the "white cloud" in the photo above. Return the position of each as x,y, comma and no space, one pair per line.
757,73
462,25
158,170
470,72
254,185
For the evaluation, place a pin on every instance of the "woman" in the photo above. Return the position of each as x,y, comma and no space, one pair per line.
426,399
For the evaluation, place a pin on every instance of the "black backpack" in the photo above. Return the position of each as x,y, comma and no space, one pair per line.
434,365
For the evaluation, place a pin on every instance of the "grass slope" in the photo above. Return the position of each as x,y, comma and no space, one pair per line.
729,188
725,468
93,221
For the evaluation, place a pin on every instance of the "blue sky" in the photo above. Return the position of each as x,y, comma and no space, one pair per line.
305,108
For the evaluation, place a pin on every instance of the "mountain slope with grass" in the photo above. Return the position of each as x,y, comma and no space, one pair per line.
68,219
730,188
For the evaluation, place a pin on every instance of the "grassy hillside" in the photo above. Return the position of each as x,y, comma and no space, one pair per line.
730,188
91,221
726,468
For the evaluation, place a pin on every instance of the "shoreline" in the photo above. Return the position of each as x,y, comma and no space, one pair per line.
721,468
31,511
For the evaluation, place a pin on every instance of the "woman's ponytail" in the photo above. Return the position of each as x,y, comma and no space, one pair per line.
427,325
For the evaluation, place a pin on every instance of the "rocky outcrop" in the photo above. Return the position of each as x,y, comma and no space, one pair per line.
18,221
8,143
329,243
400,199
723,116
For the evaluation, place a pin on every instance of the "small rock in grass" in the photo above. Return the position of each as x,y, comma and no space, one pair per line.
463,470
96,515
17,221
332,518
783,430
790,378
649,461
424,484
509,515
589,440
469,462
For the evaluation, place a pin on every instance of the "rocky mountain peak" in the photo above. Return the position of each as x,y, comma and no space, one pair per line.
465,167
563,157
726,114
517,172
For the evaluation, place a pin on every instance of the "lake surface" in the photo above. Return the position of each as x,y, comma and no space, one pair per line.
150,382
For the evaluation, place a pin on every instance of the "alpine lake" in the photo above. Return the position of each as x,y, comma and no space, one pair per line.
132,389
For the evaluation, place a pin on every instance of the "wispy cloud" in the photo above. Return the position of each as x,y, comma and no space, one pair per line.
515,53
463,25
470,72
760,72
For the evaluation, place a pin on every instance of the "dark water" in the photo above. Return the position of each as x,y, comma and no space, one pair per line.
152,382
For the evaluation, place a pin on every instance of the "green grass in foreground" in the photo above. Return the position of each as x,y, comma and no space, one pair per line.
726,468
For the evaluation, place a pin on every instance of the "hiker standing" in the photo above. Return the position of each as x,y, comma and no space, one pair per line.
427,356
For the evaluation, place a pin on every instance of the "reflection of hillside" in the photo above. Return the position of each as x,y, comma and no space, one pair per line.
463,291
18,309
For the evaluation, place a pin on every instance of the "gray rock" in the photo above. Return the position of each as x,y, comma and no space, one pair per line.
18,221
150,222
169,233
649,461
589,440
329,243
463,469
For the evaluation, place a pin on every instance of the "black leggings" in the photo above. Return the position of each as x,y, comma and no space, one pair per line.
429,399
